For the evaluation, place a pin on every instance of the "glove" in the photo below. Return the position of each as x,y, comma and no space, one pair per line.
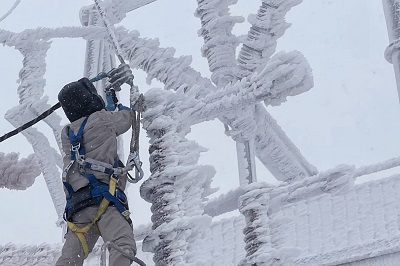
118,76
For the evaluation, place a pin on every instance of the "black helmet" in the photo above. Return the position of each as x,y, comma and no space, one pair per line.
79,99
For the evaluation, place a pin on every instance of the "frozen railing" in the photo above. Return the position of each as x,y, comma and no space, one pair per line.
324,219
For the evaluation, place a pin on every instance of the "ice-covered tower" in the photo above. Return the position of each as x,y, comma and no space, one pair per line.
309,218
178,186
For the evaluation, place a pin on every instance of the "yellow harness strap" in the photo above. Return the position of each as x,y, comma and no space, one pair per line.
81,231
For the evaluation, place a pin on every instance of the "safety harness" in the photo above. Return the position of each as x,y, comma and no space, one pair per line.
96,193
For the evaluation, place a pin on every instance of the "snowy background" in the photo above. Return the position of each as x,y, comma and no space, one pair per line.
350,116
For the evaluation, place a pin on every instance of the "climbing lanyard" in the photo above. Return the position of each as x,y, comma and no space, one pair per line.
30,123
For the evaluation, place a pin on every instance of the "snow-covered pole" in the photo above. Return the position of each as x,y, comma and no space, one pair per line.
177,185
254,205
392,54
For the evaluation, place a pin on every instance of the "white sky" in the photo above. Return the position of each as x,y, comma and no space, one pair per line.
351,116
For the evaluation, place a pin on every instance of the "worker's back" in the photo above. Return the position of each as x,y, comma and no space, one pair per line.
100,143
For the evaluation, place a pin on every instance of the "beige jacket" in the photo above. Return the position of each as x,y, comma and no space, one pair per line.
100,142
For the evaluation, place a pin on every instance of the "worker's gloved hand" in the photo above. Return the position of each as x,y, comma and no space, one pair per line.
118,76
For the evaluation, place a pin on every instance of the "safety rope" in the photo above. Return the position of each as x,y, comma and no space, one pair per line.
30,123
134,146
136,106
45,114
10,11
120,250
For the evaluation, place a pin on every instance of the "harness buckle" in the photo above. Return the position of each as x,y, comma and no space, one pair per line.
76,145
98,168
66,170
126,214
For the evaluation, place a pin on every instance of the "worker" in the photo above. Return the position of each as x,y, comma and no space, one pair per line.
94,178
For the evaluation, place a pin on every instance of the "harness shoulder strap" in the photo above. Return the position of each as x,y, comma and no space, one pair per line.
77,140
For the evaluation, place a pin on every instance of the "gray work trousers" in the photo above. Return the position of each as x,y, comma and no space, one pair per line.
112,227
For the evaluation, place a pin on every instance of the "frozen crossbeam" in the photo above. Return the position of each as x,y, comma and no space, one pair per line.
267,26
287,74
176,73
116,10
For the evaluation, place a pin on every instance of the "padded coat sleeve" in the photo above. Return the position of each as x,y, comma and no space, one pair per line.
121,120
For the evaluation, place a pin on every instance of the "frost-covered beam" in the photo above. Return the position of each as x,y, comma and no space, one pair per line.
160,64
368,253
287,74
116,10
392,54
13,39
219,43
351,223
267,26
18,174
277,152
338,180
374,168
224,203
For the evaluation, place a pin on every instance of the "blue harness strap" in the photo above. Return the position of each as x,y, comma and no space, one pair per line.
101,189
77,140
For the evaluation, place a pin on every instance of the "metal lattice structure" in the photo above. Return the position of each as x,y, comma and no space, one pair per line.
264,233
